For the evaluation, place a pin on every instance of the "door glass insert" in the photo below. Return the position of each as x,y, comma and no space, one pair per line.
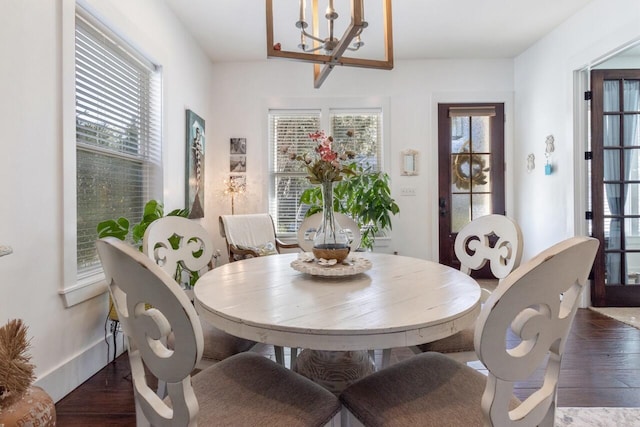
632,95
621,173
470,168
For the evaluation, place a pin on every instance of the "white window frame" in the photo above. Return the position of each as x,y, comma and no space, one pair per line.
81,287
326,107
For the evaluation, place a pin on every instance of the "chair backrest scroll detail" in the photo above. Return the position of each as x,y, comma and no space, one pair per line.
135,280
534,307
473,247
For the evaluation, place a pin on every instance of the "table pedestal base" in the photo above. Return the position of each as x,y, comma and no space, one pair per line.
334,370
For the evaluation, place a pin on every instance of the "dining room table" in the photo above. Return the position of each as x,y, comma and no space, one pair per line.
337,313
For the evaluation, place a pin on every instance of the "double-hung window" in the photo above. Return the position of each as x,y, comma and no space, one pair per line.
118,134
359,130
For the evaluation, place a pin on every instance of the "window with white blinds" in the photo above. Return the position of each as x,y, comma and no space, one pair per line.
118,133
356,130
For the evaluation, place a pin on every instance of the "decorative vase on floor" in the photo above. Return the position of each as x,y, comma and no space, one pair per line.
330,241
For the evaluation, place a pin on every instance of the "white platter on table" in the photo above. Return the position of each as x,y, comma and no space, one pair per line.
350,266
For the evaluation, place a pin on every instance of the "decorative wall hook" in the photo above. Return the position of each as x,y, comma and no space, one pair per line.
549,148
531,162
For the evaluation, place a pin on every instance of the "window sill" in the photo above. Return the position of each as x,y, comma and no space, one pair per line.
85,289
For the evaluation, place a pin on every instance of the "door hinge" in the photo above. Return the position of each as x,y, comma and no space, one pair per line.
588,95
588,155
588,215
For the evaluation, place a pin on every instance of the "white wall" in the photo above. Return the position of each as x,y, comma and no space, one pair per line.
551,208
68,343
242,92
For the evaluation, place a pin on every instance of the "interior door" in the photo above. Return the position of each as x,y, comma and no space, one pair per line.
470,170
615,186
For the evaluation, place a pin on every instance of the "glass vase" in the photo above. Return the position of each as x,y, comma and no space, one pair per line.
330,241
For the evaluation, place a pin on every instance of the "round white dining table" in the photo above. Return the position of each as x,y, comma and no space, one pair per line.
400,301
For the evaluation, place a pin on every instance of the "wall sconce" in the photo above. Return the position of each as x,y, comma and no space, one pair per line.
5,250
409,166
549,148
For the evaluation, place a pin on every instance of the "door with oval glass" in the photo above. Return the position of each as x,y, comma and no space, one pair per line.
470,170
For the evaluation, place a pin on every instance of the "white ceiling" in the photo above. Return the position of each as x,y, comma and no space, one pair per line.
235,30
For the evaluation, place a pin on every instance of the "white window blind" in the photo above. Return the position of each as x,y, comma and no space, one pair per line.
118,134
289,134
359,131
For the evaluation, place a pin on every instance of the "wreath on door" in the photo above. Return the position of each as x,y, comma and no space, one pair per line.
469,170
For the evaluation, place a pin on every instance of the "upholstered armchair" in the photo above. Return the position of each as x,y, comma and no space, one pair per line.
251,235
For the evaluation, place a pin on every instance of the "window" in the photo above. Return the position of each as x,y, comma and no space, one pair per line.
118,138
289,133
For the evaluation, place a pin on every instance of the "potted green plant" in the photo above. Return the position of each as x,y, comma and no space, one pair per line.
120,228
365,196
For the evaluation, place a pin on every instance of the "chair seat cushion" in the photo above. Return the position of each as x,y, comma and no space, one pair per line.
428,389
251,390
219,345
268,248
461,341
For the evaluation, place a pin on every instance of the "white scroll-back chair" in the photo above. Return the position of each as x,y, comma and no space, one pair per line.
521,332
177,244
474,248
242,390
309,225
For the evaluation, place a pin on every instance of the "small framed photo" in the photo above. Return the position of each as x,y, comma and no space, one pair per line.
238,183
238,146
237,163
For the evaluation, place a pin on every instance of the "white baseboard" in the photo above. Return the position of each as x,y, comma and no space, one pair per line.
65,378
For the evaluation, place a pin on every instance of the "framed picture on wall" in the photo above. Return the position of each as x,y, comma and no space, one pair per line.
238,163
238,146
194,192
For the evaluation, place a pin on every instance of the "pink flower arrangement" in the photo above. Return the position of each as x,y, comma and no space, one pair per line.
327,166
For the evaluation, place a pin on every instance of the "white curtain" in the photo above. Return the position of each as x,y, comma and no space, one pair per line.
616,194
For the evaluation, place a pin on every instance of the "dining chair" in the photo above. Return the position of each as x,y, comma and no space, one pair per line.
474,247
242,390
520,335
251,235
307,230
182,247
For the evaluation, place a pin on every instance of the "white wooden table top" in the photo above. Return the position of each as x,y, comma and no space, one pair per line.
399,302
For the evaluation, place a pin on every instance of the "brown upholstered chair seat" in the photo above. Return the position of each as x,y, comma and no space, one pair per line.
243,390
429,389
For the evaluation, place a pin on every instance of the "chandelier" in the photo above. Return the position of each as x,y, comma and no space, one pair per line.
326,49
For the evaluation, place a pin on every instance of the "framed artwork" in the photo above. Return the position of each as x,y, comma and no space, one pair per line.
238,146
194,192
238,183
238,163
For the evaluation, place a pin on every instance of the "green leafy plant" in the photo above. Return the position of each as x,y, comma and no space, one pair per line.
365,196
121,228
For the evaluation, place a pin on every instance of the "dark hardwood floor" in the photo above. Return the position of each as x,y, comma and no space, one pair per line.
601,367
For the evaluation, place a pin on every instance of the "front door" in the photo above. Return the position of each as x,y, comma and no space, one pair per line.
470,170
615,186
